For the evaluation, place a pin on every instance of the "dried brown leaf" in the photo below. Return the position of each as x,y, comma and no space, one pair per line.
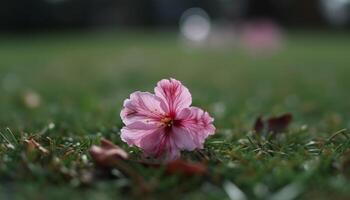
107,154
273,124
258,125
280,123
185,168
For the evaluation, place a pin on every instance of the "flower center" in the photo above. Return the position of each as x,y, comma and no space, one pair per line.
167,121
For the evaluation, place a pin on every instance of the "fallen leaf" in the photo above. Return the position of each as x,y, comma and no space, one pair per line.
273,124
280,123
259,125
107,154
185,168
179,166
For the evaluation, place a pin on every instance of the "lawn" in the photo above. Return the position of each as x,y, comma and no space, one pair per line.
66,91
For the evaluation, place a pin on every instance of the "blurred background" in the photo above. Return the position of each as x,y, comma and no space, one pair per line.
59,57
252,24
39,15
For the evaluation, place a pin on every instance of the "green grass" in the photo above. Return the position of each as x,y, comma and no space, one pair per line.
82,80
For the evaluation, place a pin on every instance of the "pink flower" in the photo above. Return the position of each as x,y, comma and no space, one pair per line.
164,123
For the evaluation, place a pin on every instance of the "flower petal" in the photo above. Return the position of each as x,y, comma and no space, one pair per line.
136,131
152,139
194,127
172,151
160,145
183,138
142,106
174,94
153,144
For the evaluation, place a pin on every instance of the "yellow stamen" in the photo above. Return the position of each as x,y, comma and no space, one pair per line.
167,121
